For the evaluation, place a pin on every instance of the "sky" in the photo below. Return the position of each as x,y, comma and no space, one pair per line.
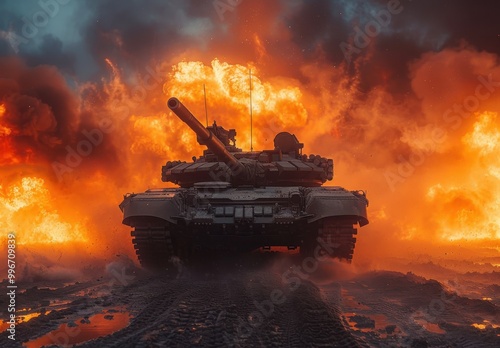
76,36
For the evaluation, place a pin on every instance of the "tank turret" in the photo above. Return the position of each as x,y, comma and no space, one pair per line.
285,165
207,137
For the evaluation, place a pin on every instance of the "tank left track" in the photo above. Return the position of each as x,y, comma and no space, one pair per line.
338,234
153,246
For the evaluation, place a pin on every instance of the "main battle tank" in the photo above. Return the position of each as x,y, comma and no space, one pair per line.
233,200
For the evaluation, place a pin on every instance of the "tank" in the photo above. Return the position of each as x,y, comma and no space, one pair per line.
235,201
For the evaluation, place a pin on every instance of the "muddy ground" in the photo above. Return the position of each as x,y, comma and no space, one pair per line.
275,302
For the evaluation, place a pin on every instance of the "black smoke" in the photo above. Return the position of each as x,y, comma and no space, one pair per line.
133,34
421,26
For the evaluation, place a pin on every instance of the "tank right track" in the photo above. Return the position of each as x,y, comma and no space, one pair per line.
153,246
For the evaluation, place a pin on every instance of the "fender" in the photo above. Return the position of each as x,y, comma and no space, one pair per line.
335,201
163,204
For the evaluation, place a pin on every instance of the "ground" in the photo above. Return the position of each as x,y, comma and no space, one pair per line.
270,301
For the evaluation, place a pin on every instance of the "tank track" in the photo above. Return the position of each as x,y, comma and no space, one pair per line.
335,232
153,246
341,235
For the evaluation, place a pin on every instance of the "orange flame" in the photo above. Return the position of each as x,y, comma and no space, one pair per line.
4,131
276,104
261,50
473,206
5,145
455,198
27,208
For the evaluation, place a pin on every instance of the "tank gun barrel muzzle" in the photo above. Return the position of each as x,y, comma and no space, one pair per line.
206,136
188,118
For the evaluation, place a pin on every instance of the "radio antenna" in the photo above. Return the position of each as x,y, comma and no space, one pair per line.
205,96
251,121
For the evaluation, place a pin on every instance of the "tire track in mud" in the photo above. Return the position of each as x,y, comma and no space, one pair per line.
320,324
231,310
222,308
422,312
156,301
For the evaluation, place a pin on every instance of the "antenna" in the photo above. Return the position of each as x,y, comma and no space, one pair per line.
205,96
251,121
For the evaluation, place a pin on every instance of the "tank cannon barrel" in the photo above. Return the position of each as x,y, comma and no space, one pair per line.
206,136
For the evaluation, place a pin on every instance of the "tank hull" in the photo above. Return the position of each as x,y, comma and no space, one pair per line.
214,217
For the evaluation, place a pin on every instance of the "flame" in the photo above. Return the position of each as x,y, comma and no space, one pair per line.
28,209
469,211
485,135
228,97
457,194
5,144
113,66
261,50
4,130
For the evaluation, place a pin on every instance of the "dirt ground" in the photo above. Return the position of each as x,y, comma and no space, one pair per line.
273,302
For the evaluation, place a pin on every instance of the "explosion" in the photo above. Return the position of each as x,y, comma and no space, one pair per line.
454,200
228,96
27,208
469,210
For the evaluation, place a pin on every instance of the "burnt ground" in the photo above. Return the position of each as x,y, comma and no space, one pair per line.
269,304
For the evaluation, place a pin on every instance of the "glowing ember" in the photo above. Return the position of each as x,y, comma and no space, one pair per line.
98,325
485,325
479,326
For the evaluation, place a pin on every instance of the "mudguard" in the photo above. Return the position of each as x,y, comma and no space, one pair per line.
324,202
163,204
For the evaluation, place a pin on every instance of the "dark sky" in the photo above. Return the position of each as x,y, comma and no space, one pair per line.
76,36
